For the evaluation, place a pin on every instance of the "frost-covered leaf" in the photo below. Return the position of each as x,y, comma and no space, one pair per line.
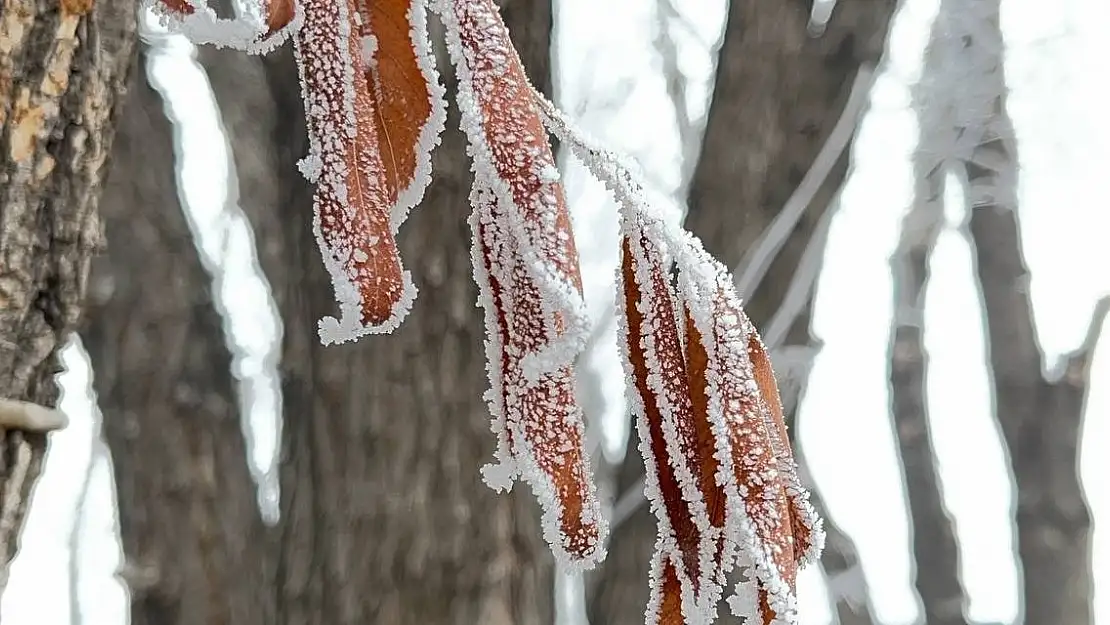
259,25
511,151
807,531
678,447
769,526
769,517
537,420
408,98
351,205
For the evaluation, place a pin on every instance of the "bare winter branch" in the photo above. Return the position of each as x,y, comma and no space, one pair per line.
759,257
935,547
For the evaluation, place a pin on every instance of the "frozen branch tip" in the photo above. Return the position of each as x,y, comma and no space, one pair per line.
721,478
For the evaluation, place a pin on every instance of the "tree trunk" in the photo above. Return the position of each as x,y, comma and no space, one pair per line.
62,68
935,545
192,536
1040,421
778,95
935,548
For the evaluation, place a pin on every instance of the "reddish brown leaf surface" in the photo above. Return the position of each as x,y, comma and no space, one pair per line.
351,200
666,596
697,363
670,381
179,6
678,512
279,14
514,135
540,420
800,511
755,464
408,99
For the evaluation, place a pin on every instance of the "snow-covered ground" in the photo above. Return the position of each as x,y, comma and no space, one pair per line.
1054,66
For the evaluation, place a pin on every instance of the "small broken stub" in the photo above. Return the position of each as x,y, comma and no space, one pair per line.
31,417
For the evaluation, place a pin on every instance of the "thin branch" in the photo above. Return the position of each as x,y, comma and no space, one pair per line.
759,258
74,540
29,416
800,289
935,548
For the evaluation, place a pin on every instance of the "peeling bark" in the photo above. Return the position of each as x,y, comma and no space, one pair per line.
62,69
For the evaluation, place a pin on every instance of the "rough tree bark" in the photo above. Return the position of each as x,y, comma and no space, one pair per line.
62,68
778,94
192,536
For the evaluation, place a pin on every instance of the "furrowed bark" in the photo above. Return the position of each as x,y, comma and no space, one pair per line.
62,69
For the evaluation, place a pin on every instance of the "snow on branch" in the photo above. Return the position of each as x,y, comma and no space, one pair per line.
260,25
721,477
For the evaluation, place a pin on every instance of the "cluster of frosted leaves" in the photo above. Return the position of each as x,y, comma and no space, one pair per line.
720,472
374,109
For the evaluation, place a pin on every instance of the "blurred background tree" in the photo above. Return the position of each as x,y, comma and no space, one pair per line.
381,515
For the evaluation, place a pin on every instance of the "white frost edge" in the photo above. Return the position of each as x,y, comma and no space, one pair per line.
501,474
565,346
247,32
636,227
704,278
616,173
515,457
348,326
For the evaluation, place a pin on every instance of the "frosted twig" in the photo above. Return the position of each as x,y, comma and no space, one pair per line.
1080,357
759,258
